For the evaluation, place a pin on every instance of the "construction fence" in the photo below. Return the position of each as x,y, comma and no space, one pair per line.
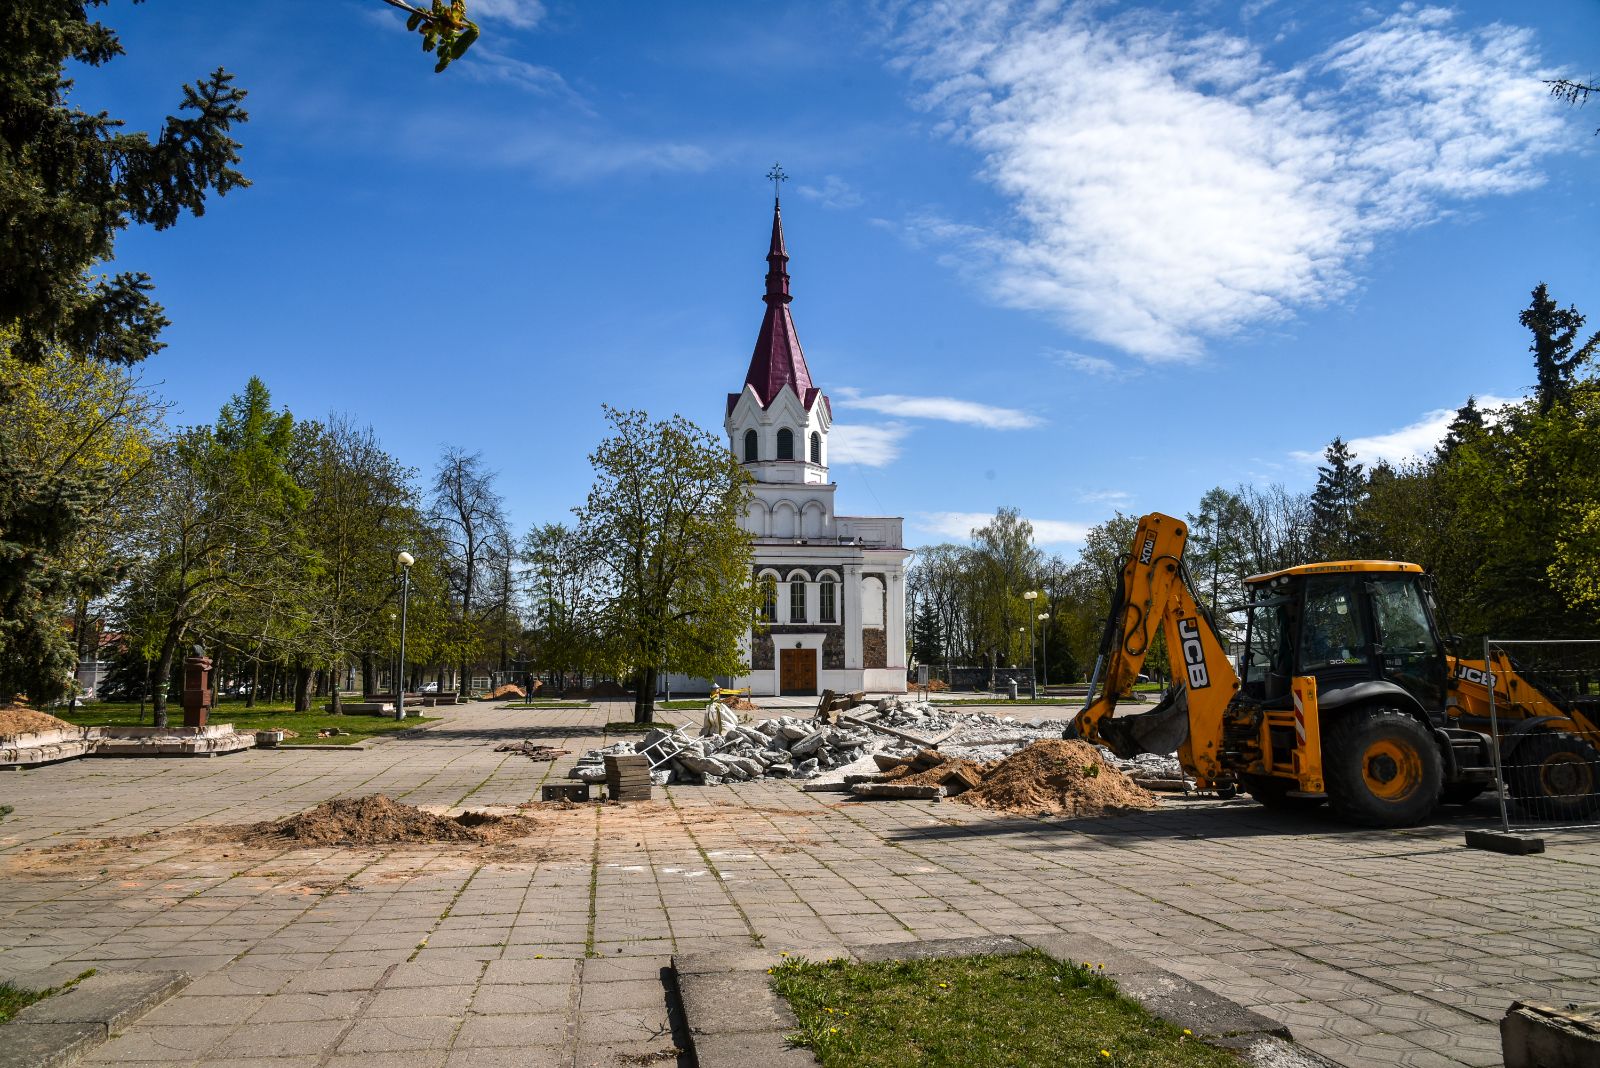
1548,771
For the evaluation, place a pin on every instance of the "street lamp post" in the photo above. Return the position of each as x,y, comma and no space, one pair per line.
1033,674
405,560
1044,647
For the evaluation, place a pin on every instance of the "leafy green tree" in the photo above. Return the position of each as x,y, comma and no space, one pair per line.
470,513
1005,565
1556,362
220,518
1216,551
662,524
565,589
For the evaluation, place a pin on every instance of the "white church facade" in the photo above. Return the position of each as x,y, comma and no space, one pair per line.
835,600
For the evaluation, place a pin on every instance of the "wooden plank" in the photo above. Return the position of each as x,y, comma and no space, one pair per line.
902,735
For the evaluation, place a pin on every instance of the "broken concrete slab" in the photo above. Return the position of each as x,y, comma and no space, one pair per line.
42,1045
1533,1035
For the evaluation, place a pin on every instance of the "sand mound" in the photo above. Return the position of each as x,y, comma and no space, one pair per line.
19,719
1061,777
937,775
380,820
500,693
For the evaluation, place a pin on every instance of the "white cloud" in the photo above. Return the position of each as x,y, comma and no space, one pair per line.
1409,442
959,526
834,192
948,409
484,64
1113,497
867,446
523,14
1097,366
1171,186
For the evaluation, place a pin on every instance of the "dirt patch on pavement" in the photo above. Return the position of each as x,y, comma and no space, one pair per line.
20,719
381,820
1060,777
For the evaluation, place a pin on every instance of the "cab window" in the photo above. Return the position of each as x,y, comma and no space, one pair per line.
1332,632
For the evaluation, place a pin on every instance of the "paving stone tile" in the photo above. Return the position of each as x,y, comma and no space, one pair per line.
549,1029
388,1035
304,1037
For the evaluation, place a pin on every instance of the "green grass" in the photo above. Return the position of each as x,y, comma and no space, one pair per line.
274,716
13,999
689,705
624,725
1023,1010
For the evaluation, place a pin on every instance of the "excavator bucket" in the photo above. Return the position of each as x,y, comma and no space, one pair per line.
1161,730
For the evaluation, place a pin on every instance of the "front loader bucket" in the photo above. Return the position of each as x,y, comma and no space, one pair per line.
1160,730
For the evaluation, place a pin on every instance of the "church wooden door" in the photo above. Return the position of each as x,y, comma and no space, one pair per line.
797,672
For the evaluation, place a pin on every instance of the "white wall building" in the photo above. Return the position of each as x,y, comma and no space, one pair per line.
836,602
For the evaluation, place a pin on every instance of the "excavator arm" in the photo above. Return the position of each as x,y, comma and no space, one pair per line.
1216,736
1154,595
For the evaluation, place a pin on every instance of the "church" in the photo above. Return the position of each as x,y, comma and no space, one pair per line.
834,585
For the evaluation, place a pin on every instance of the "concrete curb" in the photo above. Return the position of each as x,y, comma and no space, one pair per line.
62,1028
735,1019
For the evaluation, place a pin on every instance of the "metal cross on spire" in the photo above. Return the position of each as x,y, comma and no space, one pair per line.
776,175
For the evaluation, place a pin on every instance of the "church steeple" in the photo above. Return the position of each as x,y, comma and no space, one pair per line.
778,360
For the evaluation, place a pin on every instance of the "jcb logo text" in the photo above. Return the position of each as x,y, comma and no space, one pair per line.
1194,654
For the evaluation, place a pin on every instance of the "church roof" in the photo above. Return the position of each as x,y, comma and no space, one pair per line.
778,360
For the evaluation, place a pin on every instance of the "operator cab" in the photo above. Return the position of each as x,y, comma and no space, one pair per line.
1358,626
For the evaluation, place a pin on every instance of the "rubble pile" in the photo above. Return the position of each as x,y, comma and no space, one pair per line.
786,748
1059,777
532,750
892,740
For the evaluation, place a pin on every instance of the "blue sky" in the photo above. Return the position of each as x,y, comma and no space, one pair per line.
1069,258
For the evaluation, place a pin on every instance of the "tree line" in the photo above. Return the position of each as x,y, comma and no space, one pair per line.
1504,513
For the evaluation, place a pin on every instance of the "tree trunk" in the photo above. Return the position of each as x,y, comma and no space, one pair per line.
334,673
366,676
169,646
644,699
255,683
302,688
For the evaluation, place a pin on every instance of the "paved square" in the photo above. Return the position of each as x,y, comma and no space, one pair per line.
1375,947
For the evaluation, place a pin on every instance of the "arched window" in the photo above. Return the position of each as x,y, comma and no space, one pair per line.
769,598
786,444
816,448
827,598
797,597
751,452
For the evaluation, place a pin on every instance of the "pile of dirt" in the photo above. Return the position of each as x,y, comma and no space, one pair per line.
1058,776
743,704
380,820
500,693
20,719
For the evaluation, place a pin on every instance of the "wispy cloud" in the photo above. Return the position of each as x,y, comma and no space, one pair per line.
1112,497
1171,186
959,526
484,64
867,446
948,409
523,14
1409,442
1096,366
834,192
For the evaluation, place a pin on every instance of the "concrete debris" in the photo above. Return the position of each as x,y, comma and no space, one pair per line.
867,741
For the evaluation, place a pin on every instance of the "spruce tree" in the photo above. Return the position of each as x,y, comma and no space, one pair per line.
1341,487
1555,361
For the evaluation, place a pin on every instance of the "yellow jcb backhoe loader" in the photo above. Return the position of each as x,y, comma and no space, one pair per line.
1348,694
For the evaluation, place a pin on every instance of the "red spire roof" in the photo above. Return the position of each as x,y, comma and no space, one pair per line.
778,360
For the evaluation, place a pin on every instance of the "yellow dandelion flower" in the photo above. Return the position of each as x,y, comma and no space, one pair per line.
1187,1031
1105,1053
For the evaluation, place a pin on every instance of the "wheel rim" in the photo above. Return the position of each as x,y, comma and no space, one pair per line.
1565,775
1391,769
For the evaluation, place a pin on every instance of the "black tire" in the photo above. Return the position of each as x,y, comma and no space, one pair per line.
1274,793
1460,793
1554,776
1382,767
